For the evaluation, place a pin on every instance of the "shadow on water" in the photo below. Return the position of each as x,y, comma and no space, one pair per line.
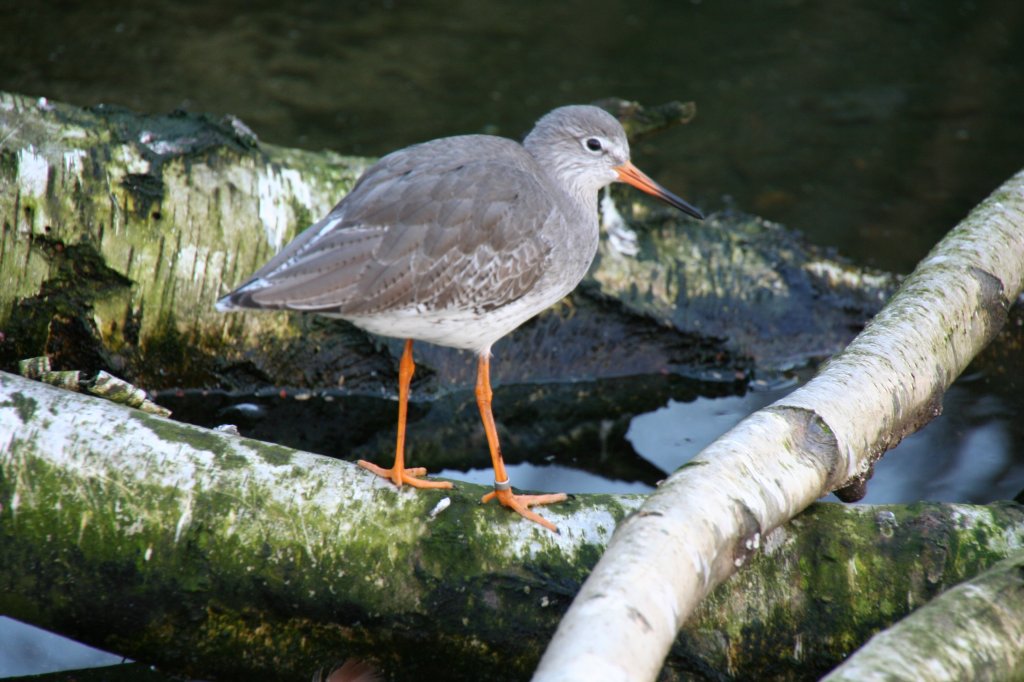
580,425
616,435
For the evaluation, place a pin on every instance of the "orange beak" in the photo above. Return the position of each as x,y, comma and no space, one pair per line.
631,175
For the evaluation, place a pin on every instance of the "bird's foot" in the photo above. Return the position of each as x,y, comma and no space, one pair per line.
400,475
522,503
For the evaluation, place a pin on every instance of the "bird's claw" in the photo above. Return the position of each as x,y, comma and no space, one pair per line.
522,503
400,475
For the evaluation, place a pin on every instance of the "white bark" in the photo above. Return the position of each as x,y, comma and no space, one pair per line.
87,437
973,631
710,515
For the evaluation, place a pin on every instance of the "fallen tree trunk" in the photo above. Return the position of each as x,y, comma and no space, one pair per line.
712,514
121,229
217,556
972,632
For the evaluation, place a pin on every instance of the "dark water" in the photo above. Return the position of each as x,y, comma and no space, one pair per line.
872,127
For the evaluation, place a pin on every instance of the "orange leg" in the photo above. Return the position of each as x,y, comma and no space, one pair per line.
502,487
398,473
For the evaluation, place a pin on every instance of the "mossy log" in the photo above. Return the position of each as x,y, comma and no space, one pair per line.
207,552
228,558
973,631
120,230
705,521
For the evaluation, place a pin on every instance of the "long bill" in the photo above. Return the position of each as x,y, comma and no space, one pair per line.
631,175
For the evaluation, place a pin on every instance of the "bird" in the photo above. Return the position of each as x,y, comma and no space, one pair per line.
457,241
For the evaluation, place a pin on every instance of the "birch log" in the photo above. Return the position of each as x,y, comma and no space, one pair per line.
120,230
707,519
227,558
974,631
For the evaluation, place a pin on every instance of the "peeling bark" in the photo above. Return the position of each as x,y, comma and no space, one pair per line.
119,230
702,524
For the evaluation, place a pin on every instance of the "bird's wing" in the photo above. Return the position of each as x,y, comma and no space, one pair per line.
422,228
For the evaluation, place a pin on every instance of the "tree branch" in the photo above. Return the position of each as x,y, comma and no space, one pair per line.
211,553
709,516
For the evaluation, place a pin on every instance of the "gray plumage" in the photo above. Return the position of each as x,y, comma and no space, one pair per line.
456,241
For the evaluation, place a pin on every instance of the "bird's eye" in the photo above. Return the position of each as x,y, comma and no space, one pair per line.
593,144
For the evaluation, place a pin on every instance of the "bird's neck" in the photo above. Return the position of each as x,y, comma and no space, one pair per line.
579,197
578,202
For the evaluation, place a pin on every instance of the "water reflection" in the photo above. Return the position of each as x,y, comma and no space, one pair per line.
965,455
551,478
28,650
671,436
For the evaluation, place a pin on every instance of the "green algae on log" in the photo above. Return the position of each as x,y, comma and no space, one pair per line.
120,230
219,556
210,553
971,632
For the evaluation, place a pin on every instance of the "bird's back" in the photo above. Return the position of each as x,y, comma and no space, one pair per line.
453,223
